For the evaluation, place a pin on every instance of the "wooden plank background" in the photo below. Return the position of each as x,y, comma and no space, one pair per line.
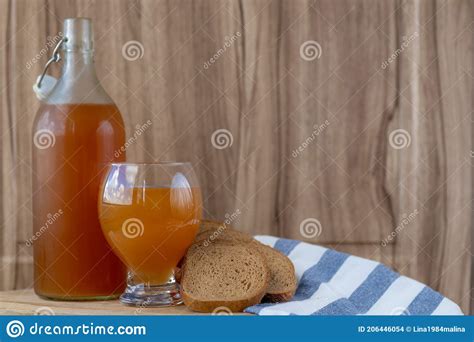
385,66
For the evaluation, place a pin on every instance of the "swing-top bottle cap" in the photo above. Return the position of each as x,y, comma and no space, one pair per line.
78,34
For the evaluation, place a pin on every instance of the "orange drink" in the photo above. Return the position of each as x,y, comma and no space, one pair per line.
73,144
150,214
152,234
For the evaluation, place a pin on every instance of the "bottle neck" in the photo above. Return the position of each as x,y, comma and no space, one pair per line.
78,82
79,65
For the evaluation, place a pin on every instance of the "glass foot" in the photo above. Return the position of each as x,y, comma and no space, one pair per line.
144,295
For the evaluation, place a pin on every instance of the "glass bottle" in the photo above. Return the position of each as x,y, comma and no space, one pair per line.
77,131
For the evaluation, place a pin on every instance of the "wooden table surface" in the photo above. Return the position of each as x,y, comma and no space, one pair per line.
25,302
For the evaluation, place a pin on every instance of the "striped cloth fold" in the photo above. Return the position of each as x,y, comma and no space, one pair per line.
335,283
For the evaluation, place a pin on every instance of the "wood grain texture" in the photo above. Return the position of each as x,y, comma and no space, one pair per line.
336,179
340,108
25,302
432,174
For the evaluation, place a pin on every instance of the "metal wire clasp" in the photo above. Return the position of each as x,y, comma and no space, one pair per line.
56,57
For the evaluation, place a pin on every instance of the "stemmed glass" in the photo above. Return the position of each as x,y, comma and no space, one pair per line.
150,214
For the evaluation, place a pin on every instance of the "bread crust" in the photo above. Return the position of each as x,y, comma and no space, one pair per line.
278,297
210,306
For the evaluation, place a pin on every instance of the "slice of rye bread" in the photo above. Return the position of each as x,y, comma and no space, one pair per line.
210,231
283,283
223,274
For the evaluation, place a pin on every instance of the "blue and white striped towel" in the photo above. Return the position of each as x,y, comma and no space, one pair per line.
334,283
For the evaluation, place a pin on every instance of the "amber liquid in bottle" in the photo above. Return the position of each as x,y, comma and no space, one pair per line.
75,134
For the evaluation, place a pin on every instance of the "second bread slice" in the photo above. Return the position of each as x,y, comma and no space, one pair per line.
282,284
